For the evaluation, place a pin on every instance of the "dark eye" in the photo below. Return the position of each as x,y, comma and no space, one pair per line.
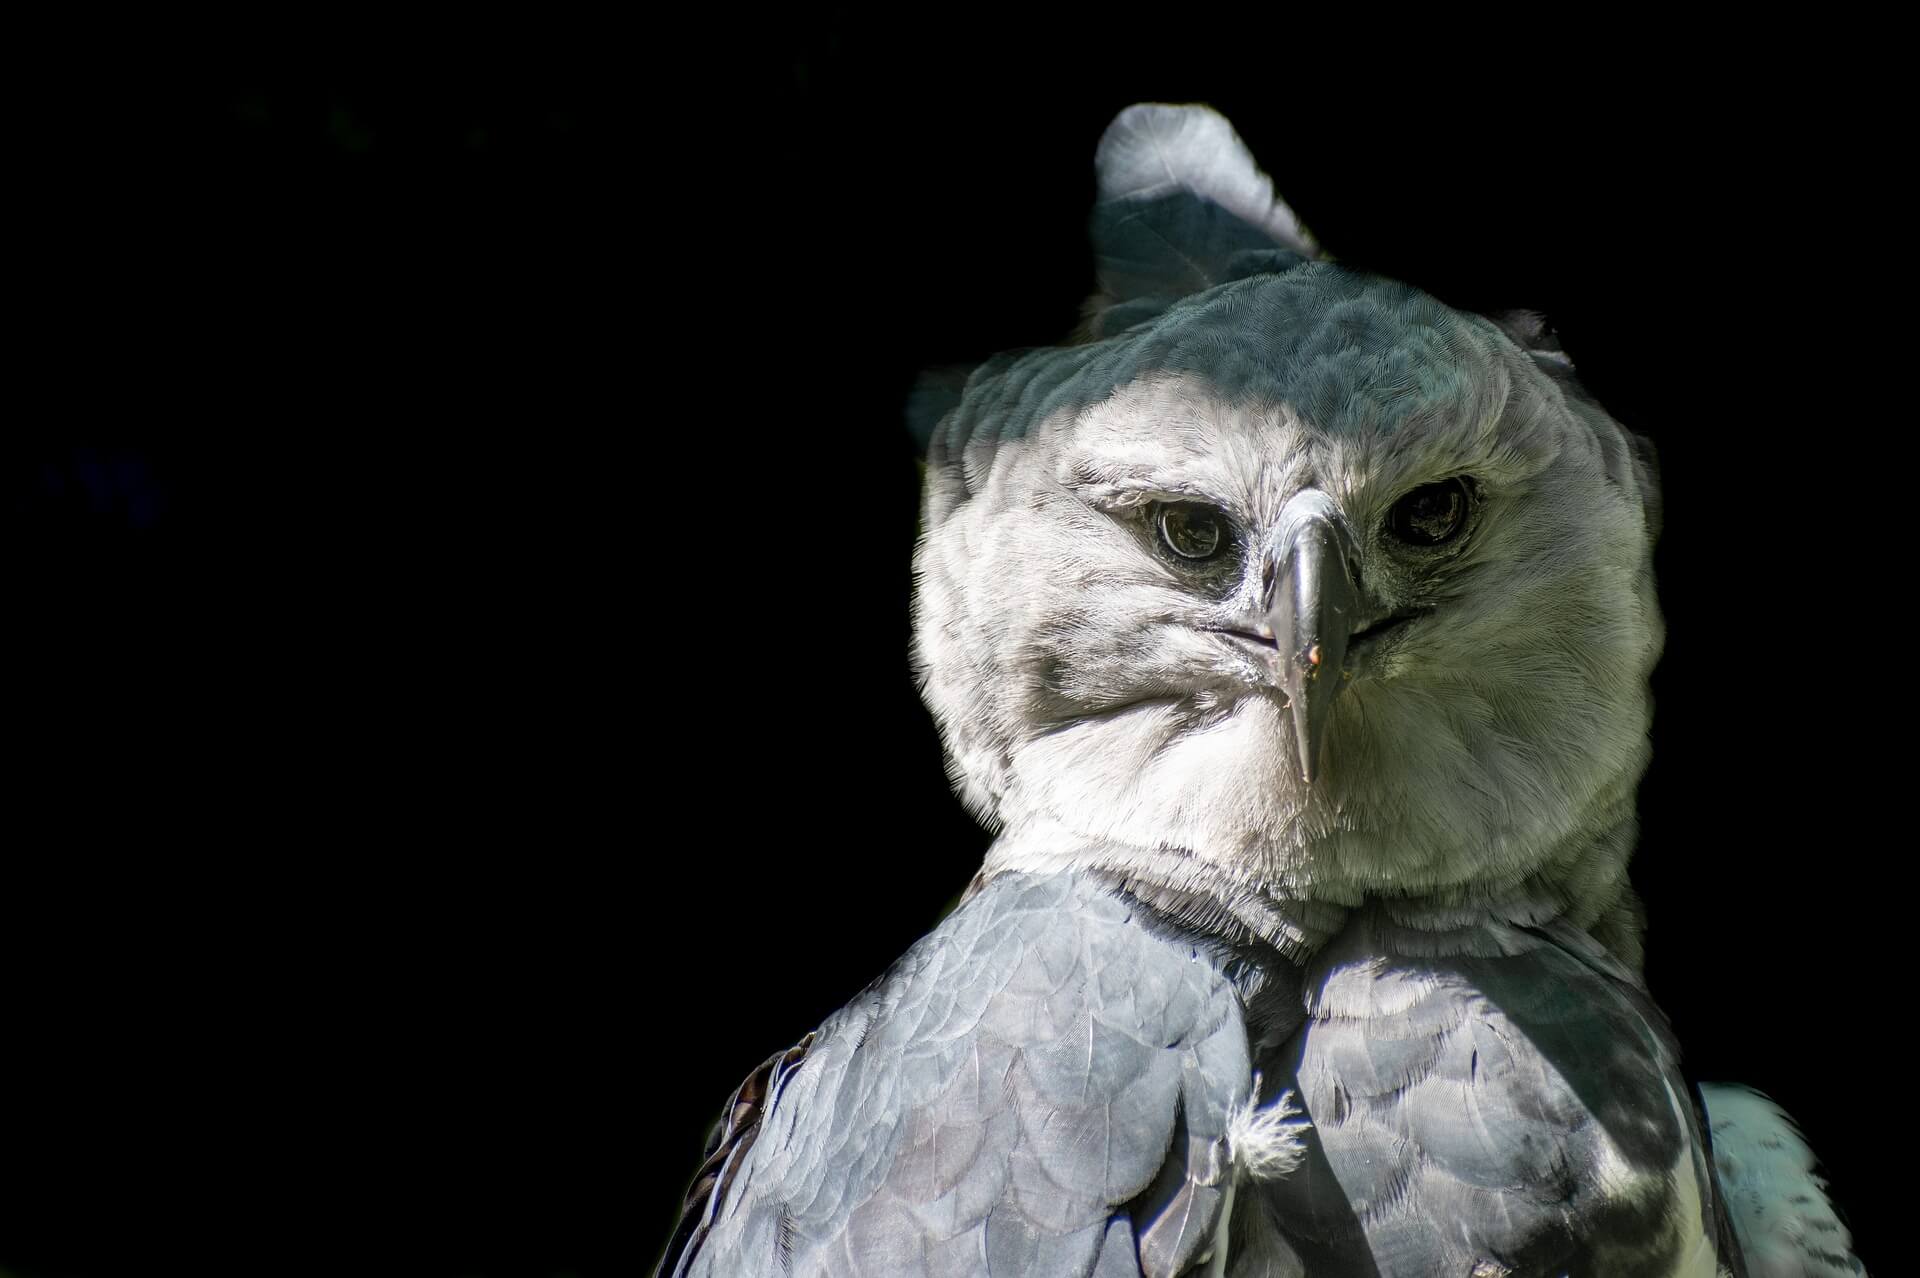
1193,531
1430,514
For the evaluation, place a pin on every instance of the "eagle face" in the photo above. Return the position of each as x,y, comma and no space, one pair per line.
1308,576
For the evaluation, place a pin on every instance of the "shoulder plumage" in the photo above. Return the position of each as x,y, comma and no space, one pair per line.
1041,1081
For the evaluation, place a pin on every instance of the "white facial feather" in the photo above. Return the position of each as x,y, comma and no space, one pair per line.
1490,747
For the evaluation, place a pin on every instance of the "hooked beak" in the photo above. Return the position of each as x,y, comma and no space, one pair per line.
1313,608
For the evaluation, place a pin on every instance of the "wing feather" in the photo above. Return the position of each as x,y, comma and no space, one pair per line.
1042,1085
1501,1099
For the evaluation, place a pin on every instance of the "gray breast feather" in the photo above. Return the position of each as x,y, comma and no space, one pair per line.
1510,1104
1040,1086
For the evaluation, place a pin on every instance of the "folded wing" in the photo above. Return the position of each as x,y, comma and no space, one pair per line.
1040,1086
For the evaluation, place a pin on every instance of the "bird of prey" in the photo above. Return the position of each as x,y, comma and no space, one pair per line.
1292,630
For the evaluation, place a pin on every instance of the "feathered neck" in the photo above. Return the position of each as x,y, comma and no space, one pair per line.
1233,907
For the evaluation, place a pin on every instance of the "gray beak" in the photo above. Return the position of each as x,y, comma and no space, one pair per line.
1313,607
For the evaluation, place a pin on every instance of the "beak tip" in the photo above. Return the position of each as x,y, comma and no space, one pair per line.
1305,739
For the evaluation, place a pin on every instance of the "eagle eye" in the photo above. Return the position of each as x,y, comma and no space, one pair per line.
1192,530
1431,514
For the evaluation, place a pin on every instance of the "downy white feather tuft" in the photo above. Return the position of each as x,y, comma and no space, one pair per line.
1265,1140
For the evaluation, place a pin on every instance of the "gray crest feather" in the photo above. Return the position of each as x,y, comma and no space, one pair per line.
1181,203
935,393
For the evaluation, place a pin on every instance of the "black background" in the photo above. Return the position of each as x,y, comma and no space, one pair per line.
461,537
